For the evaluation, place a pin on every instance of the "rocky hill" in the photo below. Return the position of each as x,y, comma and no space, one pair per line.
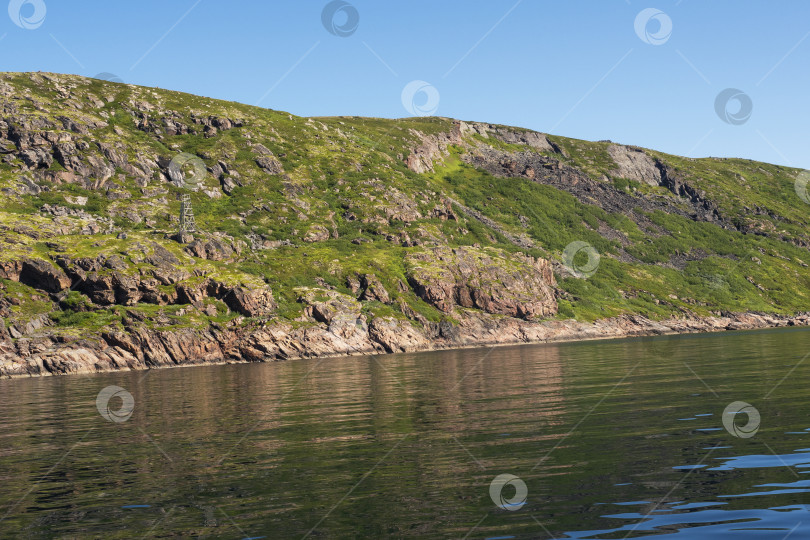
347,235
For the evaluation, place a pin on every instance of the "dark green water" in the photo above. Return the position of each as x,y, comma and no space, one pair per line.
611,439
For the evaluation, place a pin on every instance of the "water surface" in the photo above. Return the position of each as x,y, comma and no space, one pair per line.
613,439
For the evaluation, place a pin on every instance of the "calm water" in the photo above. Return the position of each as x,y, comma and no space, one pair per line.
611,440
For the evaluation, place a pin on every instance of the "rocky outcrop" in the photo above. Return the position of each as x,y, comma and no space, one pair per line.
316,233
432,148
634,164
518,286
173,123
44,275
396,335
705,209
509,135
139,348
214,248
11,270
250,303
326,306
552,171
270,164
435,147
373,289
109,280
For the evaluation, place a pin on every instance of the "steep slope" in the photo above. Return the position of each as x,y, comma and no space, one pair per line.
354,235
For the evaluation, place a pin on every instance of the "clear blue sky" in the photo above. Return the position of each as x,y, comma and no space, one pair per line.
574,68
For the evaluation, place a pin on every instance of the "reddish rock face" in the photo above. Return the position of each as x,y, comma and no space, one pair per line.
373,289
432,149
489,280
10,270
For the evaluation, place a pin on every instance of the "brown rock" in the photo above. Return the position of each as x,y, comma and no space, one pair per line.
10,270
489,280
316,233
324,305
193,294
396,335
212,249
373,289
43,275
99,288
126,289
250,303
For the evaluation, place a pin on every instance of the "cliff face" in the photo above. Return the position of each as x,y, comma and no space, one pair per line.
520,286
135,348
341,235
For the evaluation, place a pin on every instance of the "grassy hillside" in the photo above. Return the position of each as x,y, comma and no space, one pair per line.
288,203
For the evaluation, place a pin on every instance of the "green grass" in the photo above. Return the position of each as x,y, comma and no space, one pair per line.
345,173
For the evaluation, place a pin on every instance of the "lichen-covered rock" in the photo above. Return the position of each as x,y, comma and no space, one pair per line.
485,279
161,256
316,233
324,305
400,207
270,164
634,164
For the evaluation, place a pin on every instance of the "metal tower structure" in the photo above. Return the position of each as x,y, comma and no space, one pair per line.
187,223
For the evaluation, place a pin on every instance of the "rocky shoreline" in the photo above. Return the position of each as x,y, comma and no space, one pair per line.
144,349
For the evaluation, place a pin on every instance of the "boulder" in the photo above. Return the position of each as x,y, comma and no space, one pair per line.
212,249
229,185
43,275
316,233
270,164
250,302
373,289
10,270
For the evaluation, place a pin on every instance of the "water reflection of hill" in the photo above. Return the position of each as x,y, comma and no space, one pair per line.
406,445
